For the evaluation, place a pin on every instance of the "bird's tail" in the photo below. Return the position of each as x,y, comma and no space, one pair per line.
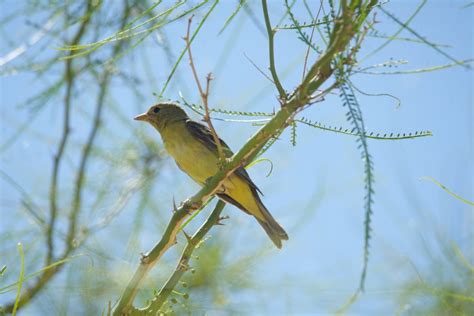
271,226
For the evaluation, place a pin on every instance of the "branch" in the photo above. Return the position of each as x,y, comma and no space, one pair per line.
183,263
271,34
204,94
69,77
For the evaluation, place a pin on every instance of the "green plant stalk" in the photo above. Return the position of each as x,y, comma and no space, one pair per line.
183,262
317,75
271,34
20,279
11,286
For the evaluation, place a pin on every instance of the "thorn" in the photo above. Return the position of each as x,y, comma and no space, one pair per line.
188,238
220,219
175,209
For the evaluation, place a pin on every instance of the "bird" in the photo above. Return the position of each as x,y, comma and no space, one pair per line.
192,146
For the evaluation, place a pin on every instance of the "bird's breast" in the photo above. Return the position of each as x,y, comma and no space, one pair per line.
190,154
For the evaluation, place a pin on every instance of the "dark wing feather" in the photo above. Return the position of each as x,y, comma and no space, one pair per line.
226,198
204,135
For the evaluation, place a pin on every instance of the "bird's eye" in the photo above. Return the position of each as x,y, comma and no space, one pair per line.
156,110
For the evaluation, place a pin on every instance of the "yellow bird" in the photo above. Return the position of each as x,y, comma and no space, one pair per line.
192,146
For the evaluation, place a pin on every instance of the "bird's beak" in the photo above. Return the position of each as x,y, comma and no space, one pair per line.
141,117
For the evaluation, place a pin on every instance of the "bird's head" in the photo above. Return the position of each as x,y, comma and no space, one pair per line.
161,114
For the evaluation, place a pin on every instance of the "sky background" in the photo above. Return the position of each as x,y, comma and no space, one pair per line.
316,188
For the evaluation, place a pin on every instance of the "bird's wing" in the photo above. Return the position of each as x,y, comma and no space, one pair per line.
204,135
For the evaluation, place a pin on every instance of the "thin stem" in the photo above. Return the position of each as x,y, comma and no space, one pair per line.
271,34
308,49
204,94
258,68
21,277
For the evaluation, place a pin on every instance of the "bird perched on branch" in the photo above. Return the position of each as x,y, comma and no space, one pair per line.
192,146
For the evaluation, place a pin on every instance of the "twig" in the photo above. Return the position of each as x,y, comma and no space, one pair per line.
311,39
204,94
258,68
271,34
183,261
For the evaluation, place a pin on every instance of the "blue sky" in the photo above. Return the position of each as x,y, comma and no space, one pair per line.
316,188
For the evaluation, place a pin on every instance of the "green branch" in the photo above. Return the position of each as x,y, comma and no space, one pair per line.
183,263
271,34
20,279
